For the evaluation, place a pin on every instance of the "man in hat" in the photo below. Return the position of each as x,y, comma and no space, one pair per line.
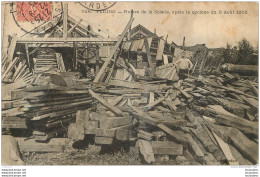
183,65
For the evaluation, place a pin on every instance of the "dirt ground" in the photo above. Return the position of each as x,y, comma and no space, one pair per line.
91,156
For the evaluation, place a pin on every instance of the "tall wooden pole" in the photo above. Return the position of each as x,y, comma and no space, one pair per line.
65,20
183,44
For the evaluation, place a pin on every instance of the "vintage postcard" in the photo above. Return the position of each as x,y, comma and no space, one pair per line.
129,83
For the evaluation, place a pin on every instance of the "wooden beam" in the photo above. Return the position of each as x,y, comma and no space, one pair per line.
105,103
97,58
60,40
27,56
102,70
226,150
73,27
117,54
65,20
12,48
83,28
255,90
149,55
151,105
245,145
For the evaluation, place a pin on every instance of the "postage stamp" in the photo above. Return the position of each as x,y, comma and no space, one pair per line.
34,11
36,17
98,5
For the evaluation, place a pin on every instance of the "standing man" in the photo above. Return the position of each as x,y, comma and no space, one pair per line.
183,65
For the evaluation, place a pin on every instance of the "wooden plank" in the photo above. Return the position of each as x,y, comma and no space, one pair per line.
151,105
167,148
10,67
69,40
55,145
253,102
226,150
105,132
105,103
136,85
123,134
170,104
147,49
97,58
27,56
183,138
116,56
74,26
246,146
76,132
255,90
113,122
160,50
232,120
146,150
90,127
105,65
7,89
151,98
237,155
65,20
103,140
12,48
117,100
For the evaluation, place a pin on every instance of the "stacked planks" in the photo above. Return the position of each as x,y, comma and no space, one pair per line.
47,110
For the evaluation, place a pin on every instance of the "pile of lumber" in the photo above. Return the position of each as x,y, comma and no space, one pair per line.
209,120
105,129
46,109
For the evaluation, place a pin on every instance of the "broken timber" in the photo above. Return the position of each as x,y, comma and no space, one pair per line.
102,70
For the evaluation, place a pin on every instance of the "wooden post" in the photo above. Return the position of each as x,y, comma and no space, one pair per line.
183,44
129,31
97,58
65,20
149,55
102,70
76,57
27,56
5,10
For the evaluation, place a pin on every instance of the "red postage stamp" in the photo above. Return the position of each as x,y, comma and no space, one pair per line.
34,11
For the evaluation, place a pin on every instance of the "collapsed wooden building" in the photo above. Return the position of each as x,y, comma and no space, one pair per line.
74,81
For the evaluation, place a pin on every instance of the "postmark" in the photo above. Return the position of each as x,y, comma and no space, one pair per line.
37,17
98,5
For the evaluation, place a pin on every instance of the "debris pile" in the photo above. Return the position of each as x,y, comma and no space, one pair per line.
136,99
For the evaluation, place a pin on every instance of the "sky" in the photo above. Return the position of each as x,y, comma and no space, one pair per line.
215,30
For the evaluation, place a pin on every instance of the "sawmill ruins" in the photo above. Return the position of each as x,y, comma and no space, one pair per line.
78,91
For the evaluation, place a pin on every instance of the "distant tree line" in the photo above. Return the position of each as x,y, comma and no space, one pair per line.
242,54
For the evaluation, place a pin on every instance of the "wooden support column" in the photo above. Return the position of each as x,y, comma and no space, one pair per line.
149,55
97,58
5,12
65,20
75,55
183,44
27,56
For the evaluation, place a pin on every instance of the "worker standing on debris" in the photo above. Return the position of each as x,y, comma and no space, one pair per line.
183,65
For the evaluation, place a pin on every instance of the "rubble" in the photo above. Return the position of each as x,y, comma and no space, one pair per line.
137,100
